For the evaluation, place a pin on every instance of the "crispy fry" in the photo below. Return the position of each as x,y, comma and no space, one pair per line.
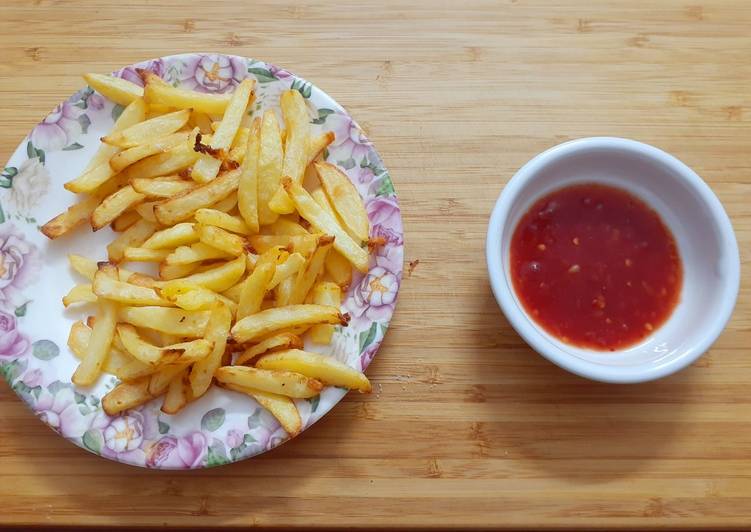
80,293
322,221
172,161
345,199
222,220
195,253
283,340
227,204
128,294
285,226
83,266
183,207
126,396
142,350
125,158
120,91
133,236
78,341
217,279
190,324
99,345
223,240
161,187
161,379
303,244
146,210
177,235
307,276
168,272
217,332
148,130
330,294
283,292
178,393
270,161
156,91
273,320
278,382
254,289
240,144
201,121
114,205
138,254
326,369
288,268
125,220
193,297
280,406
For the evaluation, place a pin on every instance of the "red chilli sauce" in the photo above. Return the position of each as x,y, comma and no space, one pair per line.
595,267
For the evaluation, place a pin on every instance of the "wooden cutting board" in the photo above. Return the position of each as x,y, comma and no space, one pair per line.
467,426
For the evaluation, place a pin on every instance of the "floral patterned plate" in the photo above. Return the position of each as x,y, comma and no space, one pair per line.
222,426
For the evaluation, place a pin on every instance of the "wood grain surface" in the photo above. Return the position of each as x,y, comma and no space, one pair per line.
467,426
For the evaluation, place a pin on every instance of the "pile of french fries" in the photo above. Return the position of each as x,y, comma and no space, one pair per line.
253,237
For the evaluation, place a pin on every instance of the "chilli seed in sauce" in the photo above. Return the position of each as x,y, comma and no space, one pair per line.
595,267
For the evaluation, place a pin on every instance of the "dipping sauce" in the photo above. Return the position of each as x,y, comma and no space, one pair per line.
595,267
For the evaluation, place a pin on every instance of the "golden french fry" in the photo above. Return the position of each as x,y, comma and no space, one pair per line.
89,181
270,161
160,92
80,293
345,200
217,332
318,145
170,320
114,205
88,268
281,407
278,382
161,187
168,272
283,292
125,220
133,236
170,162
222,240
288,268
178,393
339,269
115,362
106,287
222,220
193,297
274,320
283,340
120,91
201,121
195,253
206,166
125,158
307,276
99,345
182,207
285,226
177,235
138,254
240,144
326,369
139,279
148,130
142,350
330,294
254,289
71,218
161,379
126,395
303,244
322,221
146,210
227,204
217,278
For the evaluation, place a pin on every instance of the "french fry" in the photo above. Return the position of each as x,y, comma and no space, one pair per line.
280,406
125,158
303,244
126,395
288,268
139,279
285,226
222,240
345,199
146,210
330,294
75,215
99,345
160,92
80,293
283,340
191,324
177,235
138,254
278,382
227,204
106,287
83,266
168,272
274,320
148,130
217,332
222,220
283,292
322,221
161,187
91,180
195,253
270,163
254,289
170,162
183,207
318,145
307,276
125,220
114,205
193,297
240,144
178,394
133,236
339,269
217,278
326,369
201,121
161,379
120,91
207,167
78,341
142,350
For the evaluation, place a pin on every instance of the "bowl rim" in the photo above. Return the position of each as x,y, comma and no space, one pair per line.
531,332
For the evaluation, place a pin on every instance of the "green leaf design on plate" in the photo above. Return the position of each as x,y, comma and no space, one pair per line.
322,114
73,147
45,349
348,164
163,427
303,87
367,337
21,311
7,175
385,186
314,401
216,454
248,439
80,398
56,386
254,419
263,75
34,153
12,370
84,121
2,215
213,419
93,440
117,110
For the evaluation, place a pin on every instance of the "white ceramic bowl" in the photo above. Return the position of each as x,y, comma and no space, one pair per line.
702,229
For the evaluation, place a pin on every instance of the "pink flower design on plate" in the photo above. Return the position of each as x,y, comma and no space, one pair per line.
33,378
95,101
57,130
129,73
374,296
61,412
19,265
29,185
350,142
12,343
279,73
385,220
177,453
213,73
